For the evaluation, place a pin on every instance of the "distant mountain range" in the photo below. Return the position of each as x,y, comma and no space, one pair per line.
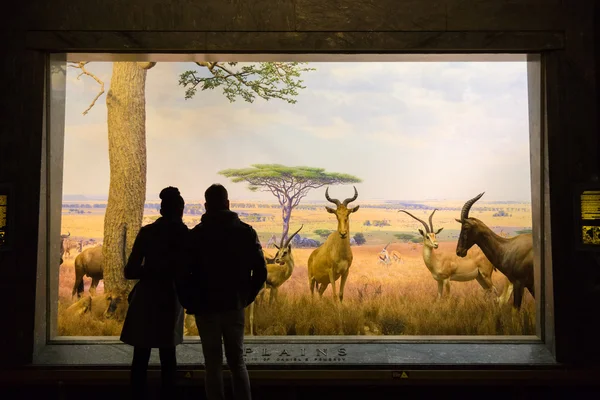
80,197
155,198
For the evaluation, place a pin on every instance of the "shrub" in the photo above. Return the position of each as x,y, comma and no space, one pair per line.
360,238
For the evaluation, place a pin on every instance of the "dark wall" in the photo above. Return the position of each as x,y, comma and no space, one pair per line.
305,25
21,113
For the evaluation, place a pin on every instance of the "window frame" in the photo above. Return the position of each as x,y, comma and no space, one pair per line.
384,351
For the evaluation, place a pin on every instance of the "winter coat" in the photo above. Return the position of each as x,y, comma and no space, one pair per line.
226,264
155,317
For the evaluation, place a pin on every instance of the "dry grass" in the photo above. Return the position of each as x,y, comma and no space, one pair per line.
399,299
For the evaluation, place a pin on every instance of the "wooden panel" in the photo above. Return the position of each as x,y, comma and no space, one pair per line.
282,42
504,15
182,15
116,41
370,15
381,42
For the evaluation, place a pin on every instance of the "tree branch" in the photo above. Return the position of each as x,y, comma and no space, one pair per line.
81,65
146,65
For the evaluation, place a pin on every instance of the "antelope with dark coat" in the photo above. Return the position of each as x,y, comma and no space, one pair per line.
511,256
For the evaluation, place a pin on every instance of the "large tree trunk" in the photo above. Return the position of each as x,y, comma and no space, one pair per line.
126,105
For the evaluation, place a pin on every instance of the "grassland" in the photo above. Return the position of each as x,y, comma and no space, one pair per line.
398,299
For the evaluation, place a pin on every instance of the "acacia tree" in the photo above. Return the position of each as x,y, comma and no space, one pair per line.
288,184
126,107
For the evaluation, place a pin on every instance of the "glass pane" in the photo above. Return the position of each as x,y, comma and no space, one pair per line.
413,136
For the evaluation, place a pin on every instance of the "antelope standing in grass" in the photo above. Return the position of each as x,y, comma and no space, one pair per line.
387,257
446,266
279,270
333,259
511,256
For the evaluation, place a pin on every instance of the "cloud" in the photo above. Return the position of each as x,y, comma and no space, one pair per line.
337,129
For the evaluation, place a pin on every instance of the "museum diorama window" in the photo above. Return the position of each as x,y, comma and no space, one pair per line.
391,156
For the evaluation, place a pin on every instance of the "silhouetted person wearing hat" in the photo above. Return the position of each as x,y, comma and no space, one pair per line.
155,316
228,269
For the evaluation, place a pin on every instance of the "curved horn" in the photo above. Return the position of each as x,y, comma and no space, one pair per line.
420,220
431,219
464,213
287,243
351,199
334,201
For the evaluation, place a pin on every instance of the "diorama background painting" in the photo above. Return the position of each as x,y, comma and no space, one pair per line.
418,136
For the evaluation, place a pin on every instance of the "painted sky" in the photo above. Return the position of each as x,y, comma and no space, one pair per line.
409,130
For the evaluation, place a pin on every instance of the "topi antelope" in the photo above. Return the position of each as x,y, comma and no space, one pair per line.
332,260
279,270
446,266
511,256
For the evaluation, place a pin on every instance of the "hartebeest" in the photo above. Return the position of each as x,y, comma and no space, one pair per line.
511,256
333,259
446,266
279,270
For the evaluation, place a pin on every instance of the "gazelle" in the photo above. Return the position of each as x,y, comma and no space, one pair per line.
333,258
279,270
446,266
511,256
387,257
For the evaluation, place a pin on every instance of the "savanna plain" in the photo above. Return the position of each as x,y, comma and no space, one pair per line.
399,298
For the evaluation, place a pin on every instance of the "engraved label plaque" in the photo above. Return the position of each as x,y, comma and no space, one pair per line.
295,354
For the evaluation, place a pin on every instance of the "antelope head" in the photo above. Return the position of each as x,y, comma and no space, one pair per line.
65,236
342,212
429,236
284,251
468,230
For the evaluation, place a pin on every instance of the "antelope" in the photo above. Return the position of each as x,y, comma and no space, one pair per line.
511,256
333,258
446,267
386,258
279,270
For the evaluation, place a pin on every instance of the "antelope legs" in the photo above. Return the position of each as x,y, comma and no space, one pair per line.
78,286
251,318
486,283
311,284
506,293
332,281
93,286
443,284
322,288
343,284
518,294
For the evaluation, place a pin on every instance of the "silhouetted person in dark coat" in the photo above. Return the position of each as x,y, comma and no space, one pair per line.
155,317
228,268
